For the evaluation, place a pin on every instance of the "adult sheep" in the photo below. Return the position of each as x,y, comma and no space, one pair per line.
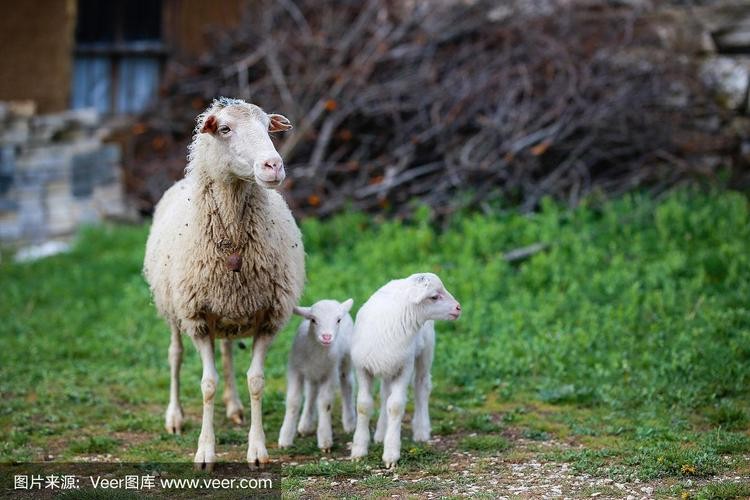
224,260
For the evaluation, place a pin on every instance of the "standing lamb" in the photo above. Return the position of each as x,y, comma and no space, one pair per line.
319,359
224,260
394,337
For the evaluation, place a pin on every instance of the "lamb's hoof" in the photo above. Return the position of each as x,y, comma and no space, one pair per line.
283,443
421,436
358,452
349,428
378,438
390,459
173,419
325,449
204,459
305,430
257,455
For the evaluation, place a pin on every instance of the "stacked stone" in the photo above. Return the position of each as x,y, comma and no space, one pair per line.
56,173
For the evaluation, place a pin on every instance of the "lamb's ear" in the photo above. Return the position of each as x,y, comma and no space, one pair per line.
305,312
346,306
278,123
418,293
209,125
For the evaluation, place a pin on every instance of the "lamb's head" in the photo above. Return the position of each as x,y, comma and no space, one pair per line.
233,136
429,297
325,318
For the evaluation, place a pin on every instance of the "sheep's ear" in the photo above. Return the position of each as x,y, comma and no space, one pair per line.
305,312
278,123
346,306
418,293
209,125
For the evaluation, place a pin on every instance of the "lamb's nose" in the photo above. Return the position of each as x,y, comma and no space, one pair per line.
458,306
326,337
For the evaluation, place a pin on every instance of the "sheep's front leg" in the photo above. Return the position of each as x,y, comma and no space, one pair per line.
396,406
307,420
346,379
385,391
324,402
361,439
420,425
293,403
205,456
231,398
173,417
256,439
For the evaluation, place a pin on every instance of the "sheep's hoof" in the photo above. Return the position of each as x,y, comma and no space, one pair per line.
204,460
326,449
390,466
257,455
173,420
358,452
305,431
378,438
421,437
390,460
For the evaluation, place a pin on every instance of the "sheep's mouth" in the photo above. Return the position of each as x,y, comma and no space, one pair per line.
325,343
454,316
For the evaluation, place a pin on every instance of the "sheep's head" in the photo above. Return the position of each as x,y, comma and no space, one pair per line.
239,142
325,318
427,293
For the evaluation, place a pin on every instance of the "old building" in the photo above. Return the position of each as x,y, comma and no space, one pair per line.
68,68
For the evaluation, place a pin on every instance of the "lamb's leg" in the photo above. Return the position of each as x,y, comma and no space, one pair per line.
385,391
231,397
396,406
346,379
324,402
204,457
307,421
256,439
361,439
420,425
173,418
293,403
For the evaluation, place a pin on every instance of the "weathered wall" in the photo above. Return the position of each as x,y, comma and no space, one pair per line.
36,37
187,22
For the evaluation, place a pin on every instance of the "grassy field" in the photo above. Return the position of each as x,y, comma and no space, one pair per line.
621,354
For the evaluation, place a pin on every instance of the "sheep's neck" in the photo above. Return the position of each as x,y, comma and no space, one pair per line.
228,204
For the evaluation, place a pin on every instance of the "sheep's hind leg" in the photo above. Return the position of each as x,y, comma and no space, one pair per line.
293,403
361,439
307,420
396,406
324,401
420,424
256,438
385,391
206,454
231,398
347,395
174,416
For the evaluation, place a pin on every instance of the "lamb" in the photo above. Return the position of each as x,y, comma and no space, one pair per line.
318,360
394,338
224,260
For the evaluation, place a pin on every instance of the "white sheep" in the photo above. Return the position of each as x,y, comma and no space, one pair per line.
224,259
319,360
394,338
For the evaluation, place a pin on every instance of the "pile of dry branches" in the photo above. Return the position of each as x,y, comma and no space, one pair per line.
449,102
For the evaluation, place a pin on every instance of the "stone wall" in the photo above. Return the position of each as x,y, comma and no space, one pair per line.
56,173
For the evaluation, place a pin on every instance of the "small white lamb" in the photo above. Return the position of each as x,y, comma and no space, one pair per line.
318,360
394,337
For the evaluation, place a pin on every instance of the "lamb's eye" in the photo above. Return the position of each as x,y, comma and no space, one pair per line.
338,321
224,129
435,297
313,321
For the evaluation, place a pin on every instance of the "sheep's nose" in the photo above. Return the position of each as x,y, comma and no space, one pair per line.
458,306
276,166
326,337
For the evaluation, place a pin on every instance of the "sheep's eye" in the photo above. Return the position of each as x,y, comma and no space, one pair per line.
313,321
435,297
224,129
338,321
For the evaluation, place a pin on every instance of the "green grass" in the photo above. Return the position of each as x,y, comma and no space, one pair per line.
630,335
